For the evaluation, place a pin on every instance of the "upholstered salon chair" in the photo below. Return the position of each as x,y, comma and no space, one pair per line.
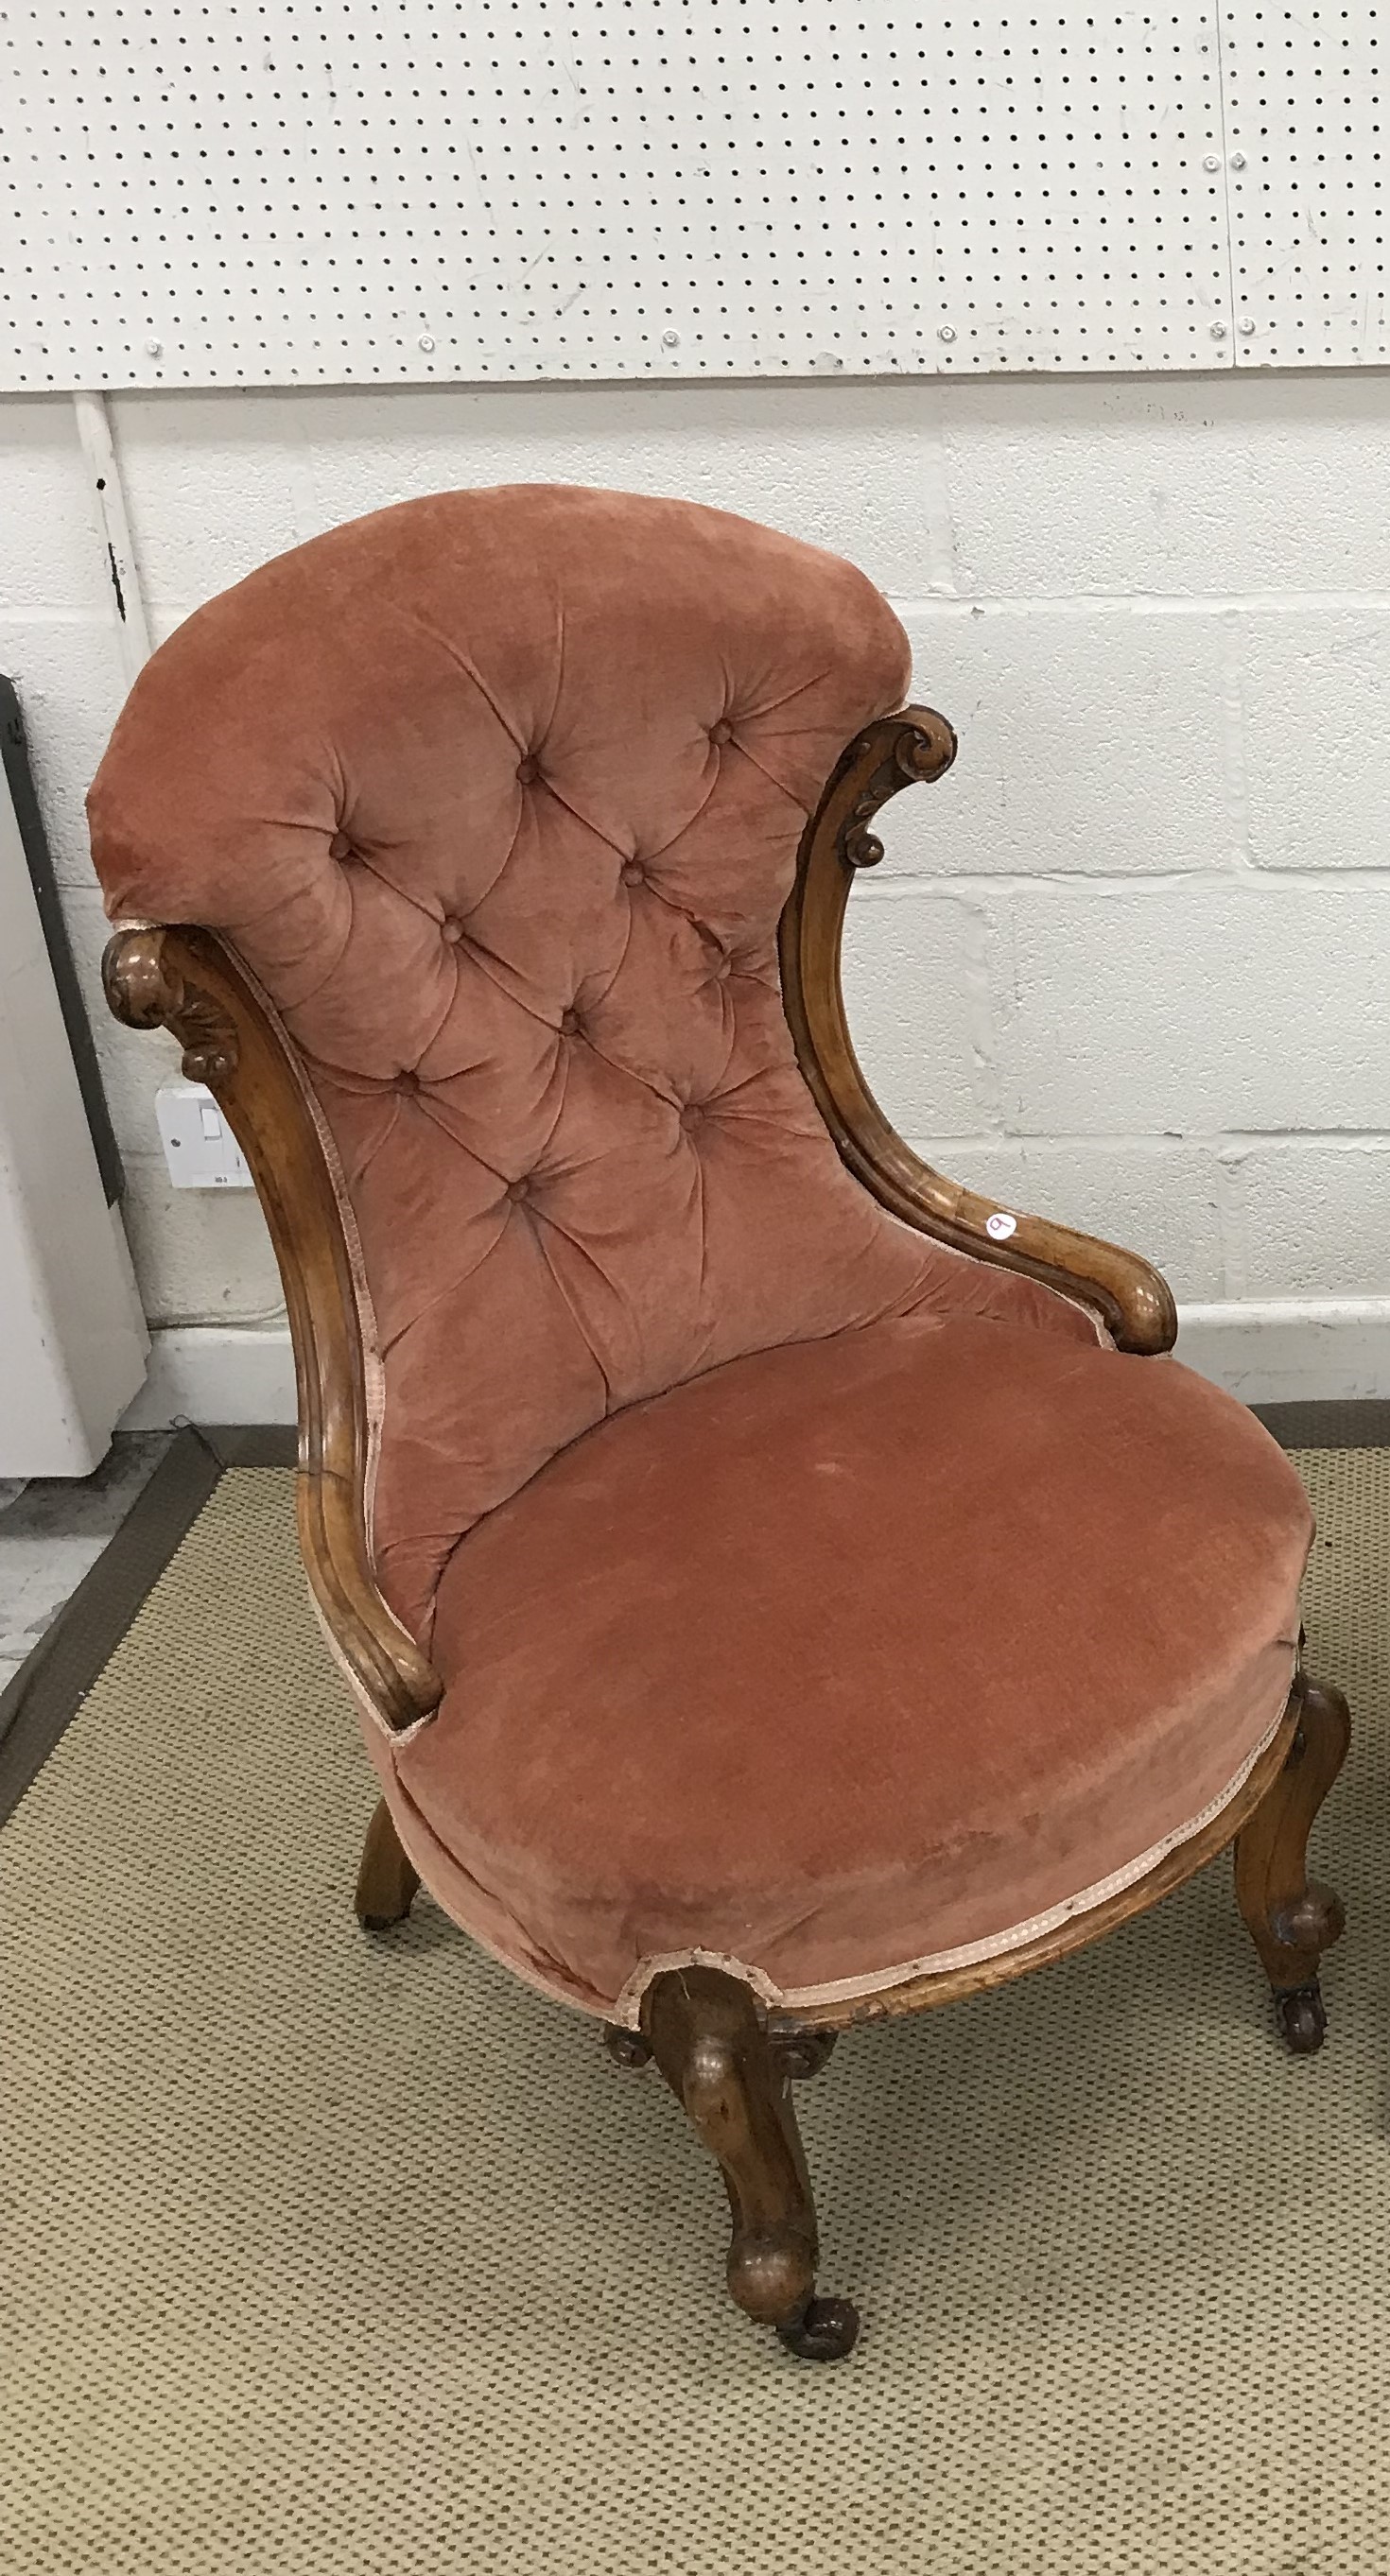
780,1588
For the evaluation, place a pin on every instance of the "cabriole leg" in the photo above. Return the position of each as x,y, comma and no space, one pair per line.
386,1880
1291,1918
710,2038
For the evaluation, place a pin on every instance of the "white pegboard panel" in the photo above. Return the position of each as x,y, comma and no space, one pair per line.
209,192
1307,97
1077,187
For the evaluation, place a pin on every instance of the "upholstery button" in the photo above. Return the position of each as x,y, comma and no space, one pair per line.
634,873
569,1022
451,928
692,1114
518,1190
409,1080
340,847
528,770
721,732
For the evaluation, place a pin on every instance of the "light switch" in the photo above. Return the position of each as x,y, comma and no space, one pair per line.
199,1147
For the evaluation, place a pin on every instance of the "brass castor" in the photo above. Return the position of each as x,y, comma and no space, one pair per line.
825,2331
626,2047
1302,2018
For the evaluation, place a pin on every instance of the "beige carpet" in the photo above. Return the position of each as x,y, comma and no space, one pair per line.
324,2257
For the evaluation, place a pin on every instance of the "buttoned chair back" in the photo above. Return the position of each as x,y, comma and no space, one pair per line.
499,796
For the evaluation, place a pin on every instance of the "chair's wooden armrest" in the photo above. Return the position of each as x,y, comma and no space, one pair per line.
1129,1295
186,980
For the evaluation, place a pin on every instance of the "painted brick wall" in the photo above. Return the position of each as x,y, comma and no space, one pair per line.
1127,965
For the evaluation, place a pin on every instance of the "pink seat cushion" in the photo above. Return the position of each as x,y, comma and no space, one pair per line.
853,1654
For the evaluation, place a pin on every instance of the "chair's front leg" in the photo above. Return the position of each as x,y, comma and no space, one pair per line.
710,2038
1292,1919
386,1880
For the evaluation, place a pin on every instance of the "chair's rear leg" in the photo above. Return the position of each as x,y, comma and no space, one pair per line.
1292,1919
386,1880
710,2038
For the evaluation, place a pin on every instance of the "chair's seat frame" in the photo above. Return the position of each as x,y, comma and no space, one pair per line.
728,2060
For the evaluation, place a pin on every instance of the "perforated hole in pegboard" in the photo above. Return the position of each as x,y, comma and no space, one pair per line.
1307,124
222,191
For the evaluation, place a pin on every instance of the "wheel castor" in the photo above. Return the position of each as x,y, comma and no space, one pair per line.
1291,1917
825,2330
626,2047
801,2053
1302,2018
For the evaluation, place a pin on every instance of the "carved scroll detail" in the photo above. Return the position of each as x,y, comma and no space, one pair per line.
187,980
146,990
1125,1293
916,749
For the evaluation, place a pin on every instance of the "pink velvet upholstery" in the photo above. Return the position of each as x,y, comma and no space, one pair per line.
857,1652
499,794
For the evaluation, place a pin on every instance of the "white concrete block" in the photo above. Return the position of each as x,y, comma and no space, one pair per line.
1090,739
1316,691
916,986
1315,1215
215,1373
1007,487
1197,1006
1160,1200
216,483
1291,1350
1187,485
88,931
50,555
200,1255
133,1064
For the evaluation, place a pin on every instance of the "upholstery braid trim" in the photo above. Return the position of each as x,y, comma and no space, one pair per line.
938,1963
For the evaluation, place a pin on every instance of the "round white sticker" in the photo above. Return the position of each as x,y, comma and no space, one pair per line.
1000,1225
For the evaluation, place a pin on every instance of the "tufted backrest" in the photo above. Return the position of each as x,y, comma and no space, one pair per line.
499,795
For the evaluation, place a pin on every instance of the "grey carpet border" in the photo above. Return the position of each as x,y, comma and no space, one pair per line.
43,1697
48,1690
1359,1422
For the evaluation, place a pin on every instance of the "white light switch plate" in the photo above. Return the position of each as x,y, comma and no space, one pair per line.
199,1147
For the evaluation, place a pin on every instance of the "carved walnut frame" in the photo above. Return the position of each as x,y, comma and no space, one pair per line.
728,2060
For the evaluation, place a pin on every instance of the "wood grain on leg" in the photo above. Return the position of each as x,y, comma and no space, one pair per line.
709,2037
386,1880
1292,1919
